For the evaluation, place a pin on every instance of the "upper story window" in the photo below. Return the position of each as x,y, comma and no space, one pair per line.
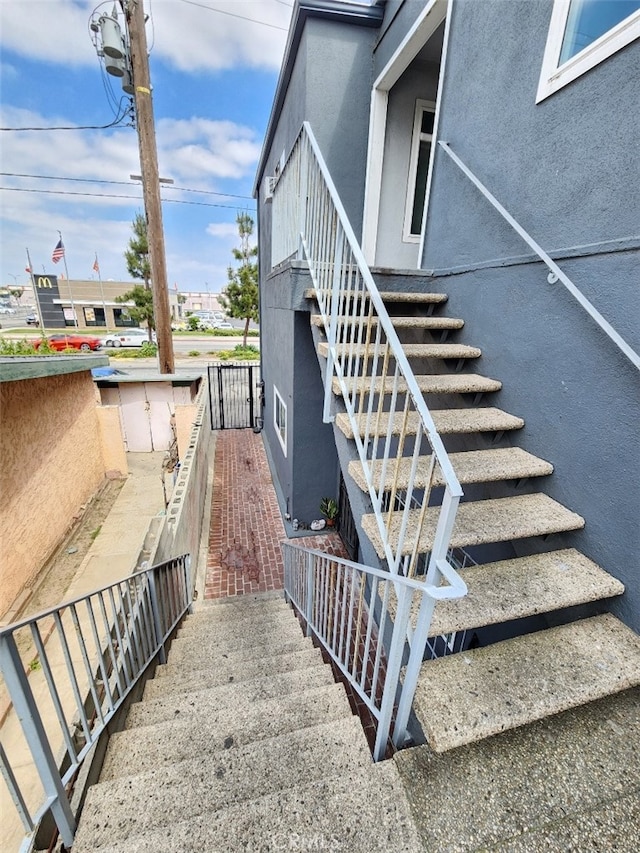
583,33
421,141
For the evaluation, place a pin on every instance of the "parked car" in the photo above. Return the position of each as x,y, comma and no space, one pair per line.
85,343
128,338
224,325
32,320
5,309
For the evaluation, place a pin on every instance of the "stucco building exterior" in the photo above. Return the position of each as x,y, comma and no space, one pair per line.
428,117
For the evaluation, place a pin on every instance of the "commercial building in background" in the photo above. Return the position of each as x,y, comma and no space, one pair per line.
84,303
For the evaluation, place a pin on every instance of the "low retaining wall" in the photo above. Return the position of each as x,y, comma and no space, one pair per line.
181,529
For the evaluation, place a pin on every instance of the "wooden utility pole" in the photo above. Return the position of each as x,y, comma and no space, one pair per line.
134,12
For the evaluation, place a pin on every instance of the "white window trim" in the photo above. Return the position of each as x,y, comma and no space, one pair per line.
554,78
277,399
416,138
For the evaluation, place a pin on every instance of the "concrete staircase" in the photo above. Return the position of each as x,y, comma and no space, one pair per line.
535,673
244,742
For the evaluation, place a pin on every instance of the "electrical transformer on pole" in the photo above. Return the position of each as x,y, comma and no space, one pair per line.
128,59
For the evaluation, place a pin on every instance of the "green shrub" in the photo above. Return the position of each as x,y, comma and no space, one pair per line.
22,347
148,349
194,353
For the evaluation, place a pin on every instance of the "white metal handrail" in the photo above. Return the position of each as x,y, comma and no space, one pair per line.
85,657
366,363
361,617
582,300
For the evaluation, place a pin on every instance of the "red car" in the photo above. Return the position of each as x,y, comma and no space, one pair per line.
85,343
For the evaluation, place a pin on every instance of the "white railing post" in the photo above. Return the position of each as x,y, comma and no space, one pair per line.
412,670
311,591
331,325
392,676
35,735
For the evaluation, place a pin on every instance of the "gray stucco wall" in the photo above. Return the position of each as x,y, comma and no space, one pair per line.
309,469
565,168
567,171
579,397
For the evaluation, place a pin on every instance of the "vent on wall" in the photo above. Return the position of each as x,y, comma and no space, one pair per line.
268,186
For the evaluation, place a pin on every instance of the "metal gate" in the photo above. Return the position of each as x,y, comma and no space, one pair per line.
346,523
233,395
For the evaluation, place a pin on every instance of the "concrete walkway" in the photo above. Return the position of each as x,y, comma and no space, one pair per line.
246,527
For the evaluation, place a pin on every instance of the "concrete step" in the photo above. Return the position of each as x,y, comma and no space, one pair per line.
433,324
539,779
247,624
472,466
181,679
452,351
456,383
447,421
481,522
365,810
116,810
615,825
220,610
207,700
135,751
524,586
252,644
480,692
417,298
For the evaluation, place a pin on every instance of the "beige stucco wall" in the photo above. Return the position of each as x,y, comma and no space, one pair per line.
185,416
51,448
112,440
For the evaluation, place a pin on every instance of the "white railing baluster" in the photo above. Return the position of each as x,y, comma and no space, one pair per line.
353,617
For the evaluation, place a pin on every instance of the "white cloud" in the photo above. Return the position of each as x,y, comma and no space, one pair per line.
187,36
197,153
225,230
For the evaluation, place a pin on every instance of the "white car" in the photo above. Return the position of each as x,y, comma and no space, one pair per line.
4,309
128,338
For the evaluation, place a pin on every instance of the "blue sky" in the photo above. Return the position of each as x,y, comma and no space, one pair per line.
213,79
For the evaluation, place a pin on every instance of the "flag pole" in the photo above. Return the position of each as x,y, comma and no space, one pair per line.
66,272
96,267
35,290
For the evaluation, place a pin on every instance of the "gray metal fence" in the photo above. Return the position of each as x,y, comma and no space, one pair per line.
83,658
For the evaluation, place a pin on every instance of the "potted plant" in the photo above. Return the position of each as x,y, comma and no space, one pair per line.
329,508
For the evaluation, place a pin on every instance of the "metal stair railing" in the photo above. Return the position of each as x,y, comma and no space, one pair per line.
555,274
361,615
84,658
367,364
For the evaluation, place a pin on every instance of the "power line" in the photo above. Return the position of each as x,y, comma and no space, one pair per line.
117,183
116,195
117,121
234,15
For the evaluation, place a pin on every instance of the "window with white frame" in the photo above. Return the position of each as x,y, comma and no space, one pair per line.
421,141
280,419
583,33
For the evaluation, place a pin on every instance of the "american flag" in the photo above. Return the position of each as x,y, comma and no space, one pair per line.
58,252
96,266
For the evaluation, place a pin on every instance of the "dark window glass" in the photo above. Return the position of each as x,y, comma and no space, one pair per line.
421,187
427,122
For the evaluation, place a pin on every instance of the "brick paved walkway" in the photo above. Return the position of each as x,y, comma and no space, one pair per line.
246,527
